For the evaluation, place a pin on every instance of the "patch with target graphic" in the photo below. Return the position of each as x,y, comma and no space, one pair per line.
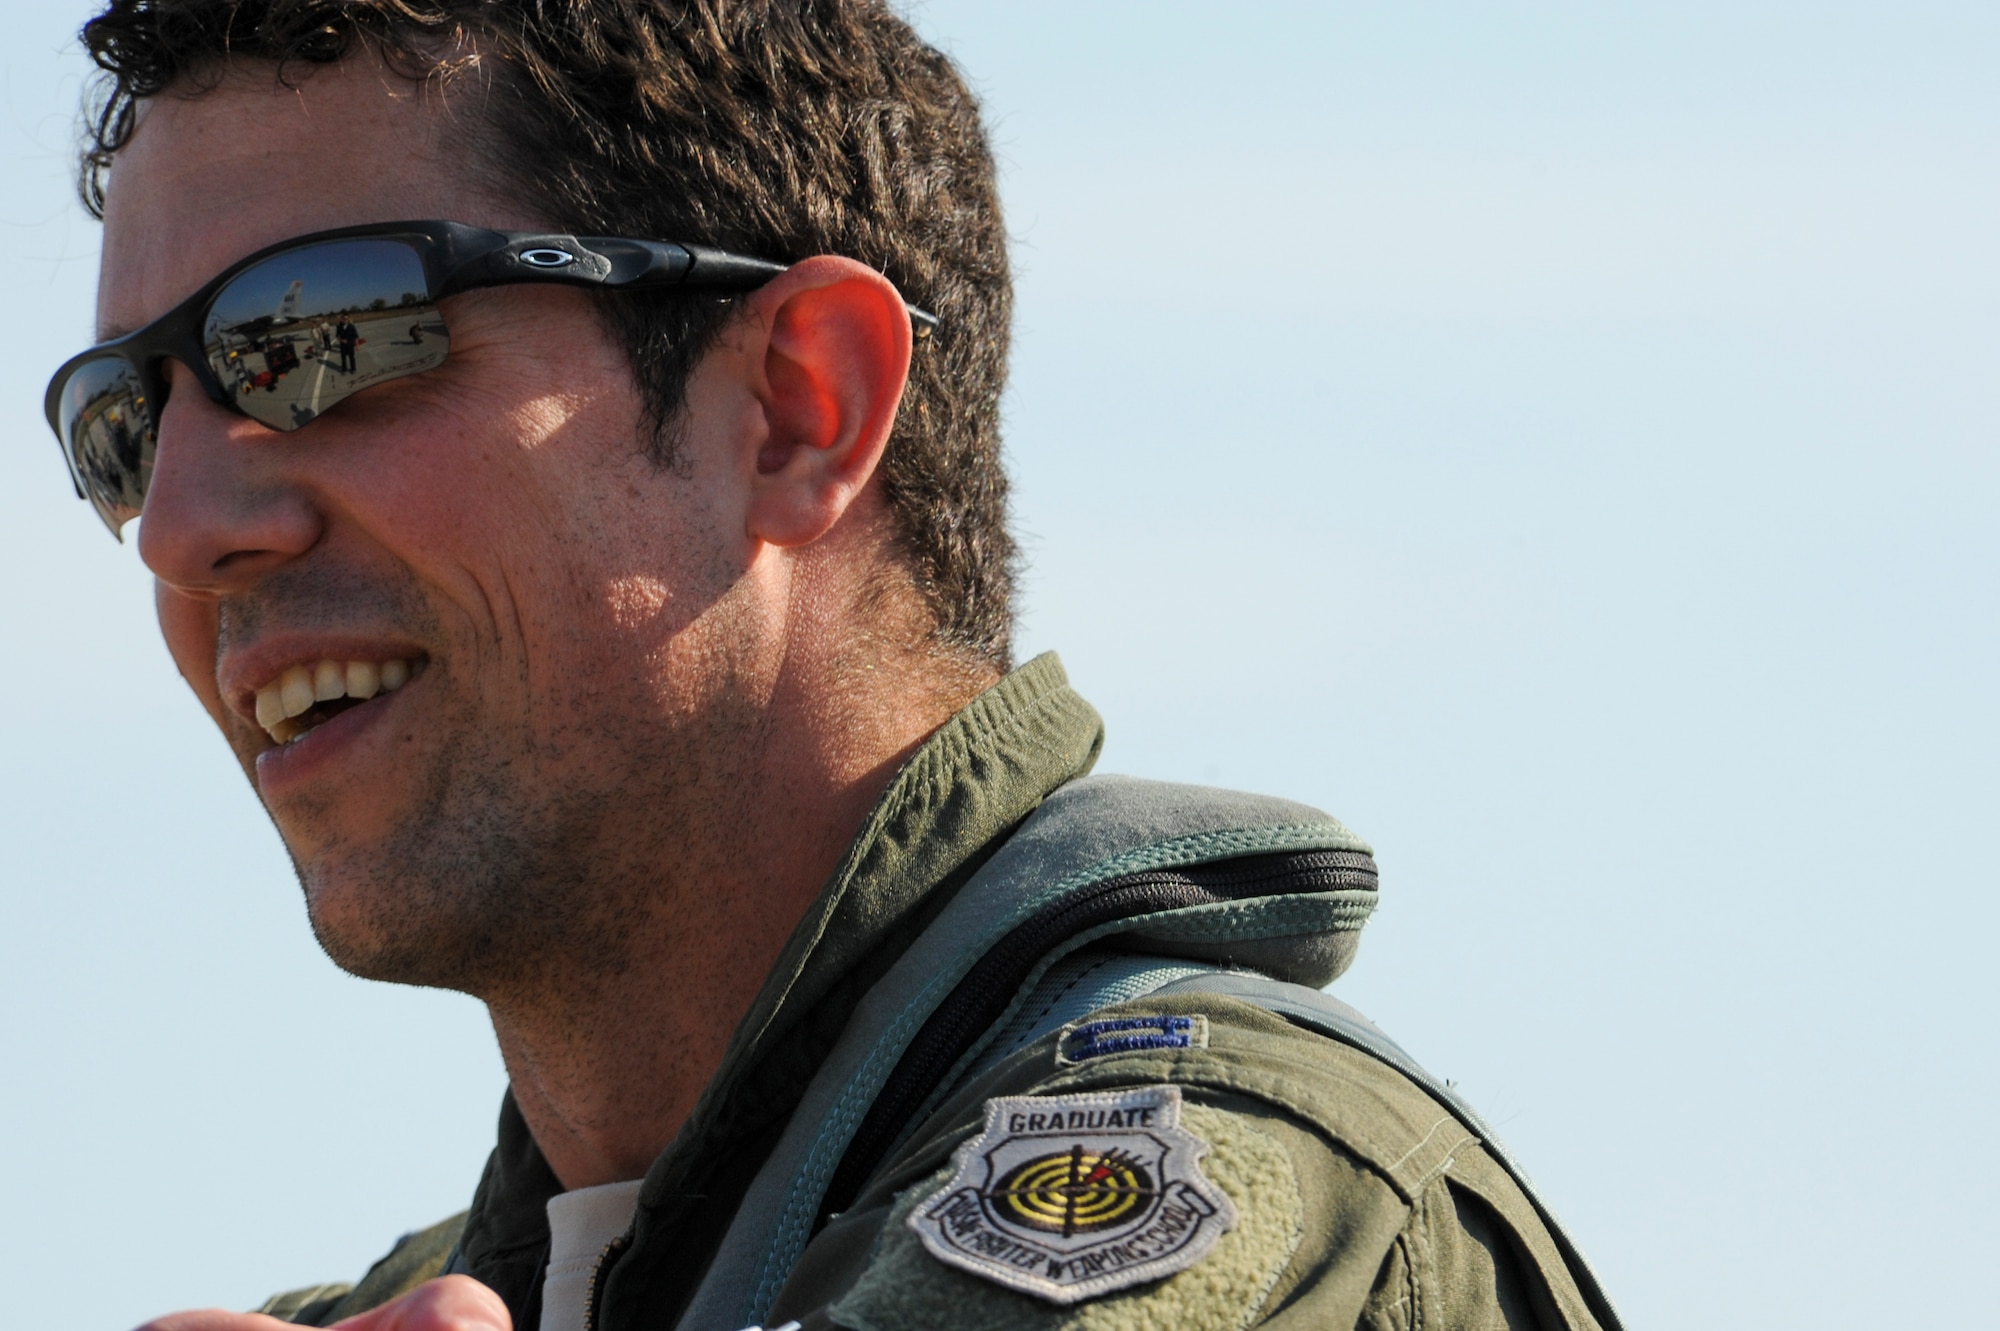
1067,1197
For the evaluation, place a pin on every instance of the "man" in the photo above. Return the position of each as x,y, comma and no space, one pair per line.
637,661
348,336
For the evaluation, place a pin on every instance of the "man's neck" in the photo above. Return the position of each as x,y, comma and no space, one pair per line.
608,1053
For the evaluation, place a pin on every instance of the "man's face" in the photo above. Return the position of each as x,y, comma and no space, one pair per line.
564,607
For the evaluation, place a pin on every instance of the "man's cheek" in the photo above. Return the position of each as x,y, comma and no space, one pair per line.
190,626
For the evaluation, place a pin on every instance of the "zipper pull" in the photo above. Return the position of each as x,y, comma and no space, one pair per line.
605,1261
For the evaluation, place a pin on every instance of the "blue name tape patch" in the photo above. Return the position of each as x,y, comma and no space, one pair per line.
1084,1040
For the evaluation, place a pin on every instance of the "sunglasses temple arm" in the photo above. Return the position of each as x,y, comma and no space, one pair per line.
608,263
644,264
738,272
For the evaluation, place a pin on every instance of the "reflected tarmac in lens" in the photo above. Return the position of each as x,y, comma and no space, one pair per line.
296,333
290,374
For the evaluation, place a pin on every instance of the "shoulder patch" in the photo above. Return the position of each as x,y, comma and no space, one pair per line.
1067,1197
1082,1040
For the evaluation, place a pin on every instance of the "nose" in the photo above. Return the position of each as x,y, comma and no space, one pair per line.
225,504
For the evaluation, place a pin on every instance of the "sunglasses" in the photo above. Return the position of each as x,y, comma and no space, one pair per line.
286,333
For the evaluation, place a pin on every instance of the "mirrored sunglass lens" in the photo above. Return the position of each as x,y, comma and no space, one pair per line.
293,335
107,426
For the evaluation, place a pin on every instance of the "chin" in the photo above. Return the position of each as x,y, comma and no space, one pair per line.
474,888
376,927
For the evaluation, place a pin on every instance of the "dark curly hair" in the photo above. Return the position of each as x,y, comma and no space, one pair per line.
782,128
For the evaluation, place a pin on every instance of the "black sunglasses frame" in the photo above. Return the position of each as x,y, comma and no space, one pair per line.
455,258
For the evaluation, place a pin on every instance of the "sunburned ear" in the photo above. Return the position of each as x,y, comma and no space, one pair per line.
834,364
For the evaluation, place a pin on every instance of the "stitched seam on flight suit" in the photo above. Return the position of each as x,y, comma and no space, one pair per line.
1410,1300
1444,1157
1413,1294
1423,1226
1389,1305
1420,1262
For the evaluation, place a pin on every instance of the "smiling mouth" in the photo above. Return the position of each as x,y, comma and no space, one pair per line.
308,695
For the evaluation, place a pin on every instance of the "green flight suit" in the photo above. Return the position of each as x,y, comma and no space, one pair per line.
1358,1199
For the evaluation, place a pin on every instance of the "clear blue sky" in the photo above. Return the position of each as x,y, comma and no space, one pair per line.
1558,439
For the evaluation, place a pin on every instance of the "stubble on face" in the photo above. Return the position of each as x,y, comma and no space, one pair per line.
538,849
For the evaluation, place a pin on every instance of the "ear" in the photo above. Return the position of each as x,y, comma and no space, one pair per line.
834,360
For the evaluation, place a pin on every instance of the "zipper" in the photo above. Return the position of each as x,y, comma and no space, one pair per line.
605,1261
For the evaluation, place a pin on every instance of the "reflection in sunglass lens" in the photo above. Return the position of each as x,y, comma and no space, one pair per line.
107,426
293,335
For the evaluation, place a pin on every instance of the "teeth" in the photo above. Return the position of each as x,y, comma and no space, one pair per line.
329,681
270,708
364,679
295,686
295,692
